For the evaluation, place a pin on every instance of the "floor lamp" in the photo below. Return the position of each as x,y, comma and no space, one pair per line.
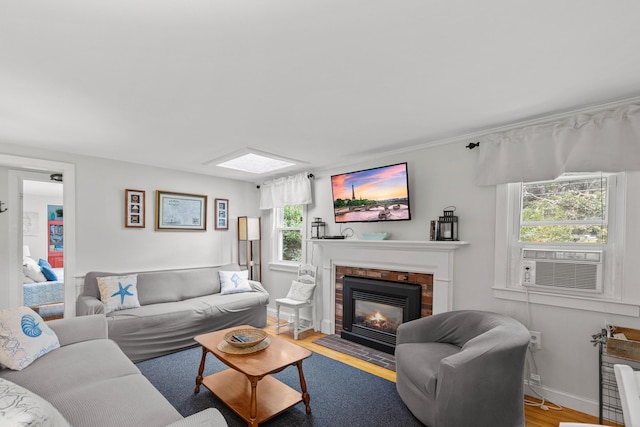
249,232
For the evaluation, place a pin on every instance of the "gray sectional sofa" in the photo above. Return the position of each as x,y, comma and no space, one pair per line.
91,382
175,306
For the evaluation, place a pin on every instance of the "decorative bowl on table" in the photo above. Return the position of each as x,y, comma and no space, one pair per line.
243,338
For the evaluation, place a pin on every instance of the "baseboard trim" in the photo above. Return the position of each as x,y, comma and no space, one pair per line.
564,399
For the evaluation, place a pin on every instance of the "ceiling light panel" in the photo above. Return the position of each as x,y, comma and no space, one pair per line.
255,163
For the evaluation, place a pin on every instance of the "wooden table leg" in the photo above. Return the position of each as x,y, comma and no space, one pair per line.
303,385
200,371
253,410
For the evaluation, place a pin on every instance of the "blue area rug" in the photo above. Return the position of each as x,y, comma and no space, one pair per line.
340,394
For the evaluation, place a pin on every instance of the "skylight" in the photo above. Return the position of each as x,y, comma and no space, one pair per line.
255,163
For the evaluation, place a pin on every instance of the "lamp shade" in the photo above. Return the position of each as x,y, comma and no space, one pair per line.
248,228
26,251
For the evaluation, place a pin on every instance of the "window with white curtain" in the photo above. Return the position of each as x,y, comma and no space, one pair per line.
558,242
289,226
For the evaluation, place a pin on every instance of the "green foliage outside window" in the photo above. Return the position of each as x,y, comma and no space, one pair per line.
292,239
565,211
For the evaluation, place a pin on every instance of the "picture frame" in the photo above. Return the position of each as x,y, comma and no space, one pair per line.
134,208
181,211
222,214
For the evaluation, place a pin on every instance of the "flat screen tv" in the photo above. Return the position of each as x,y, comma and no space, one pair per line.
377,194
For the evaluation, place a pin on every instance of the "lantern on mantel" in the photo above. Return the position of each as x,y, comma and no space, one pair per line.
317,228
448,225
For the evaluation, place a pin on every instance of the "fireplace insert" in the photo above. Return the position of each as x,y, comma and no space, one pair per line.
373,309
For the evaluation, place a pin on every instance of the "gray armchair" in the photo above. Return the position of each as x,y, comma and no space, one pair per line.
463,368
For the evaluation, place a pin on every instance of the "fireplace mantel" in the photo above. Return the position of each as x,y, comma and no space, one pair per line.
434,257
408,245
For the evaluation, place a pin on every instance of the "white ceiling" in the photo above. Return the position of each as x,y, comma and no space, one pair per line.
180,83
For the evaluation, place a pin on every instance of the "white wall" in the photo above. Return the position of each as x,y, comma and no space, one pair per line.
444,175
439,177
103,243
38,244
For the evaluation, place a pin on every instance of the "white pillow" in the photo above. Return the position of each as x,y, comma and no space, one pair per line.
21,407
233,282
24,337
301,291
118,292
32,270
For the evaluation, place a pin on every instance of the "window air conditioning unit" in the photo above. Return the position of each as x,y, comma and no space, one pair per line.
562,269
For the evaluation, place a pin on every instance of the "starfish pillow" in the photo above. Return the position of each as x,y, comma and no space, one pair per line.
118,292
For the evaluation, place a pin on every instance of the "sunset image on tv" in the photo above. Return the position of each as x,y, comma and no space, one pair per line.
379,194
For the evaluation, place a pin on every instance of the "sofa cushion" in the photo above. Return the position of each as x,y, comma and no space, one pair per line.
24,337
234,282
118,292
167,285
21,407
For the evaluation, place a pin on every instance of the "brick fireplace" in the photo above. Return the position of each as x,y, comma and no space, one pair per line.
427,263
425,280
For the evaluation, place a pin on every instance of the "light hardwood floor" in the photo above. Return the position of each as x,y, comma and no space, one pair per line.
535,416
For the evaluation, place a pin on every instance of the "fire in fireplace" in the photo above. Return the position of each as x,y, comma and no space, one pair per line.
373,309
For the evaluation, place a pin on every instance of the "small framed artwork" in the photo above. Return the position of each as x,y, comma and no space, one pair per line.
222,214
134,208
181,211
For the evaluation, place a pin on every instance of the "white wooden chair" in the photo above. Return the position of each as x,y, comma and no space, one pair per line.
301,295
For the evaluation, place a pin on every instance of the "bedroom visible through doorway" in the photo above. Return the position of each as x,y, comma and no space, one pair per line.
43,245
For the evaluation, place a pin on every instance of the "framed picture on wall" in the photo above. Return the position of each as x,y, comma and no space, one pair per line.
222,214
181,211
134,211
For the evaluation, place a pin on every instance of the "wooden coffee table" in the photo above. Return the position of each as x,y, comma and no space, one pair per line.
247,387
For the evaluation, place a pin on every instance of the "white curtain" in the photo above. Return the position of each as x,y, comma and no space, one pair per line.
281,192
606,141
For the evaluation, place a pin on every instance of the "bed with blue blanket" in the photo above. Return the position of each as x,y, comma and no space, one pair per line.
47,298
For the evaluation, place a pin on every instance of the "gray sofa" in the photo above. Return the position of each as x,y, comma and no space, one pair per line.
91,382
176,305
463,368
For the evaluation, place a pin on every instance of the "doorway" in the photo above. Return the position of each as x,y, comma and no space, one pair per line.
11,293
43,245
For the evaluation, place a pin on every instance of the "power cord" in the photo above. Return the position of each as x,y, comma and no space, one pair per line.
531,360
342,232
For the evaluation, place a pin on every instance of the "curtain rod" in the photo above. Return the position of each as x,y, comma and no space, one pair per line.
310,176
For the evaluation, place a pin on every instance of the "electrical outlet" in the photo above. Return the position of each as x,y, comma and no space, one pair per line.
535,377
536,340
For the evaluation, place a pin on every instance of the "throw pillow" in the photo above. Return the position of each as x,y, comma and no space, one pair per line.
44,263
32,270
233,282
24,337
21,407
49,273
301,291
118,292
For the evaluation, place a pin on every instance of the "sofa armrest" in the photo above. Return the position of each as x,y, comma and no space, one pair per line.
87,305
208,417
257,286
76,329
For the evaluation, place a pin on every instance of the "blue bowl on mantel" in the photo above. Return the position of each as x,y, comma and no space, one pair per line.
376,236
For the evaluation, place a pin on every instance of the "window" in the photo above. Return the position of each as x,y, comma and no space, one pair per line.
561,239
571,210
289,227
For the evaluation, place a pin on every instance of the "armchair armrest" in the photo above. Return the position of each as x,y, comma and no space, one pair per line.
86,305
424,329
76,329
